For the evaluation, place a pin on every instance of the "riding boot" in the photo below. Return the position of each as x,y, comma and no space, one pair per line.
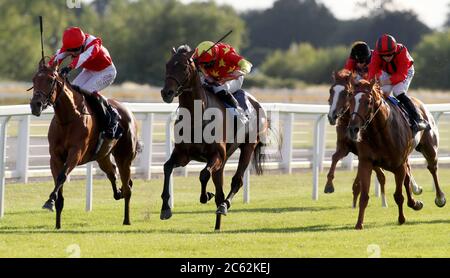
111,118
418,123
229,98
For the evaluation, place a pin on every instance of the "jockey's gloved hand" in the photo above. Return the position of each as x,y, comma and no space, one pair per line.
65,71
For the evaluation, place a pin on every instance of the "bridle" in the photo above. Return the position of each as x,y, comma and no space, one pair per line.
347,106
373,114
48,96
182,85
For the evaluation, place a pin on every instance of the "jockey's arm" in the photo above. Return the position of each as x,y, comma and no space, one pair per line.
59,56
230,86
245,66
88,54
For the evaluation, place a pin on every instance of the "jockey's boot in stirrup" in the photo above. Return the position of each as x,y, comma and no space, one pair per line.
111,118
230,99
418,123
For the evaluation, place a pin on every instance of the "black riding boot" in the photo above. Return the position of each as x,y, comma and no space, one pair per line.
418,123
110,119
111,129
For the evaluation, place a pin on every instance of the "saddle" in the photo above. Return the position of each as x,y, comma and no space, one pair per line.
402,109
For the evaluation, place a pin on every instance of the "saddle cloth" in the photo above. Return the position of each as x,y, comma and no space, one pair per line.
400,107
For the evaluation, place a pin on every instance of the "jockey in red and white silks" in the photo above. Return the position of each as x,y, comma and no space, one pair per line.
89,54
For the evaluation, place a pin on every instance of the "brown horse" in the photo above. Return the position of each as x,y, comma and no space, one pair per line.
74,133
384,139
339,115
182,80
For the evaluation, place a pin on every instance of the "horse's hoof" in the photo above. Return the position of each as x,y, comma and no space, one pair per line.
359,226
222,209
329,188
401,220
58,227
165,214
210,195
126,222
418,205
417,190
440,202
49,205
205,198
118,195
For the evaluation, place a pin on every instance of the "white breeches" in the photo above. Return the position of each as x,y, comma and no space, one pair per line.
95,80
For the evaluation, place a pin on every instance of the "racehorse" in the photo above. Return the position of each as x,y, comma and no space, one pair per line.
384,139
182,80
74,134
339,115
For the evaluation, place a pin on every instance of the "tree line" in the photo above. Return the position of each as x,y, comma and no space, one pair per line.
293,40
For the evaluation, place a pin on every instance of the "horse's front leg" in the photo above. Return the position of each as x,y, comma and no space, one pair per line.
56,198
176,159
341,152
364,173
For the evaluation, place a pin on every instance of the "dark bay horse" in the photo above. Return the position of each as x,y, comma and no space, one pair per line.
182,80
384,139
339,115
73,136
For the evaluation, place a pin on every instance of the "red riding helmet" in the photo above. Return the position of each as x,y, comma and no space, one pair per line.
203,55
73,37
386,45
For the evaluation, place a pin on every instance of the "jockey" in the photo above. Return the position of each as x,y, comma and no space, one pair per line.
393,66
88,53
223,71
359,59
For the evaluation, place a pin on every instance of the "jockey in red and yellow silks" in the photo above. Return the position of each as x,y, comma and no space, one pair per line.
223,70
392,64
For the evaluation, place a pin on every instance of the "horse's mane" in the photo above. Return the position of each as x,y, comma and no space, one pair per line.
183,49
376,89
343,73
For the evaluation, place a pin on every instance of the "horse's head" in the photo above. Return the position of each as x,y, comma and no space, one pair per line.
180,70
44,88
362,108
340,93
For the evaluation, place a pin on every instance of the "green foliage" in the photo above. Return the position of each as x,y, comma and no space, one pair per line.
304,62
431,60
139,34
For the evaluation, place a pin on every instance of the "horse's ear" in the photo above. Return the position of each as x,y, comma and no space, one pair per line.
334,76
190,54
372,82
173,50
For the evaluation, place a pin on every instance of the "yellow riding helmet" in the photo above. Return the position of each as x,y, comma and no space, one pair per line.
206,52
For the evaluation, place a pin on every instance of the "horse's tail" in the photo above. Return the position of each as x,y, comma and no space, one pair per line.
268,146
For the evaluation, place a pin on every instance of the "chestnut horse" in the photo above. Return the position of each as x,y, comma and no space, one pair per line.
339,115
384,139
339,101
74,133
182,80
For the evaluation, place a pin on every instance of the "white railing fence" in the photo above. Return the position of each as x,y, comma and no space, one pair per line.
24,152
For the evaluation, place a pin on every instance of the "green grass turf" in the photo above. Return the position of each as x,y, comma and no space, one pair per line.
280,221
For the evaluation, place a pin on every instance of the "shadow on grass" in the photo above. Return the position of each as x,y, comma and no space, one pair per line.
262,210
